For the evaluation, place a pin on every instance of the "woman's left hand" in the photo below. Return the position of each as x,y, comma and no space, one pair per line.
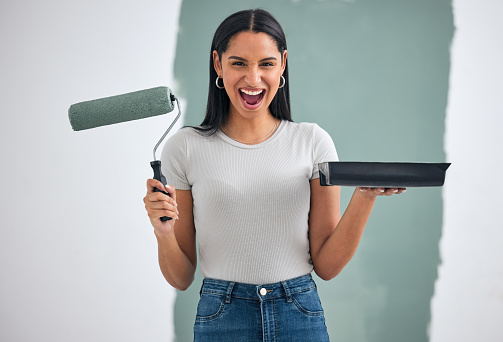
381,191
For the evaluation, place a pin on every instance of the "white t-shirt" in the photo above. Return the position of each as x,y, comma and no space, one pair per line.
250,202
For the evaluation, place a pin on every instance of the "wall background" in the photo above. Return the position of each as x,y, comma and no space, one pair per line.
374,74
468,301
77,256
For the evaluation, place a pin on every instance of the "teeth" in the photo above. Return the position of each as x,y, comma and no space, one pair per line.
248,92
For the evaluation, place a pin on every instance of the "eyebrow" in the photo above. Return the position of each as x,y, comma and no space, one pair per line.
244,60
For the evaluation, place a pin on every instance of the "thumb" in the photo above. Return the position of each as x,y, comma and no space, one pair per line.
171,191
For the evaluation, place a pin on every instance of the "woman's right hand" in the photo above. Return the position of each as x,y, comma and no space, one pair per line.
158,205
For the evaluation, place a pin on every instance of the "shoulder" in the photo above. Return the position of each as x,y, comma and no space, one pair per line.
320,141
178,143
187,132
188,141
307,130
184,136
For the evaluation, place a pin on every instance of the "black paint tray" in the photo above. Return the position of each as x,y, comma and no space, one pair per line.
382,175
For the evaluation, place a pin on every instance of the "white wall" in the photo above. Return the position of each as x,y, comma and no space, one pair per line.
468,301
77,254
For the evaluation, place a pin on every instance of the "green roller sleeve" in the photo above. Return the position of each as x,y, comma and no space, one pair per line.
121,108
127,107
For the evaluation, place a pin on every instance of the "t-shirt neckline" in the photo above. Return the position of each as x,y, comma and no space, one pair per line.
264,143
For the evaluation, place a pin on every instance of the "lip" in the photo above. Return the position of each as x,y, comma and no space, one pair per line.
253,106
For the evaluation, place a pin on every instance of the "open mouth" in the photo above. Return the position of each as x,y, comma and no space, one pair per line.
251,98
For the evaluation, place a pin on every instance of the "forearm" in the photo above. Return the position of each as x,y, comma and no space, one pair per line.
341,245
174,263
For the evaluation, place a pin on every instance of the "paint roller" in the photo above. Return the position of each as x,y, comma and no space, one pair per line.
127,107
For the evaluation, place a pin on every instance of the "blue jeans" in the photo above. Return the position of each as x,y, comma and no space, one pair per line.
285,311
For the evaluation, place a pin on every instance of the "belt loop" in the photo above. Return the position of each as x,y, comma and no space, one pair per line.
287,292
229,292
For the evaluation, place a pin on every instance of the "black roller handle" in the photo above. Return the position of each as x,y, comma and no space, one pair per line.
156,166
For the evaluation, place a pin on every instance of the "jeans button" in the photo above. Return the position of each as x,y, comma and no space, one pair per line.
263,291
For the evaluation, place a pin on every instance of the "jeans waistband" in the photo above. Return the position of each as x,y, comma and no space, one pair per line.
262,292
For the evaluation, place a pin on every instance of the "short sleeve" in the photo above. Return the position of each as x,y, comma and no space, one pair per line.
174,159
323,150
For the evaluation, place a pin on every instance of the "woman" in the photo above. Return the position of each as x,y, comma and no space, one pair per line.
247,181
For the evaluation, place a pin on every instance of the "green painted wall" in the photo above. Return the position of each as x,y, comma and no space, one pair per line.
374,74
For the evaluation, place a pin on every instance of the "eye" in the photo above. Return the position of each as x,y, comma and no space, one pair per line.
267,64
237,63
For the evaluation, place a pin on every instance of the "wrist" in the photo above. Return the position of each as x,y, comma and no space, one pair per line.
163,235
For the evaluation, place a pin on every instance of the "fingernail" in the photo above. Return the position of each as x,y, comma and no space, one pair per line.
396,190
175,204
381,190
404,190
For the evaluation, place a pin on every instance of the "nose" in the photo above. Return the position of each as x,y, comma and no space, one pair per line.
253,76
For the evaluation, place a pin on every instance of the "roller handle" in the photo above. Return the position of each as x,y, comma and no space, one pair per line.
156,166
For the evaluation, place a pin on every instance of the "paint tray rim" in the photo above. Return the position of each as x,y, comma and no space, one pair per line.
382,174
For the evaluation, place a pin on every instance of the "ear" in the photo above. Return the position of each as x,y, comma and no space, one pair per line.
283,61
216,63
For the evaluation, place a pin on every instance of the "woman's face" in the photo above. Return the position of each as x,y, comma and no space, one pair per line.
251,69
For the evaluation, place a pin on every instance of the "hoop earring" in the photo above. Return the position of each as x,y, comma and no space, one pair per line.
216,82
281,85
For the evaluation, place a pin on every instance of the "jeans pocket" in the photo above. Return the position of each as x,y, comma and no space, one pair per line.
210,306
308,302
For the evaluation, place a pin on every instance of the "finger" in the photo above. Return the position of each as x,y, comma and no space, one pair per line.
374,191
368,189
171,191
378,191
154,183
156,200
163,205
394,191
157,214
159,209
389,191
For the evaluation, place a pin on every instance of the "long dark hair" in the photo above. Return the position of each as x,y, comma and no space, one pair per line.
253,20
